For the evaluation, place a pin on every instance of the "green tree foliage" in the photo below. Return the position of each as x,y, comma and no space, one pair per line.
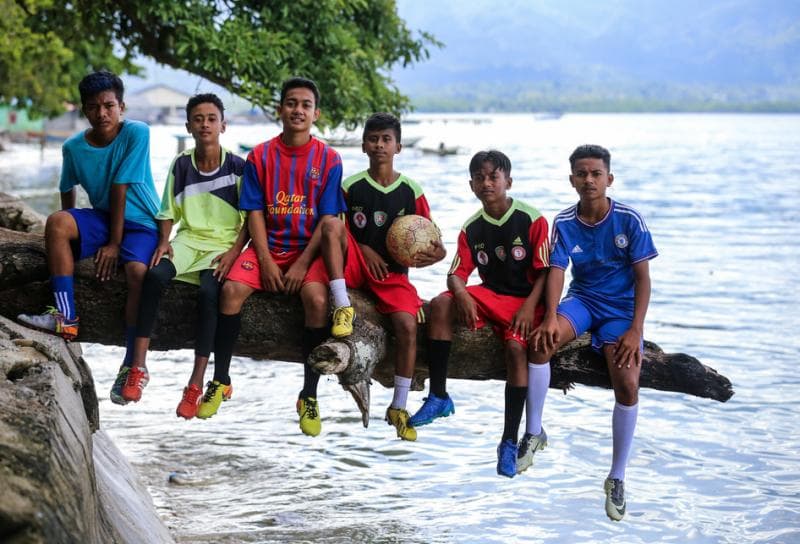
247,46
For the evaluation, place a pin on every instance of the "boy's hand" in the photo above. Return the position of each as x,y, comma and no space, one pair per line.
271,276
544,338
224,262
375,263
430,256
522,322
626,350
293,280
105,261
465,309
162,249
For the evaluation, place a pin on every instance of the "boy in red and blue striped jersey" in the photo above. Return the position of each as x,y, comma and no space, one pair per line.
291,183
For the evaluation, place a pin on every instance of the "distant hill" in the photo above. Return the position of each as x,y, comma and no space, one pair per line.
616,55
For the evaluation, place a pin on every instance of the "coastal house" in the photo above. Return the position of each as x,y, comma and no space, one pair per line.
157,104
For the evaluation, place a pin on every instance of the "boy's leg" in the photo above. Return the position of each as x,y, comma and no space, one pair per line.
155,280
404,325
314,296
137,377
334,249
516,391
625,381
207,309
61,232
440,336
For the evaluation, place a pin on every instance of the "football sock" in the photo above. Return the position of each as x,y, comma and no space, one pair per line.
339,292
515,404
538,382
438,354
623,423
228,327
64,293
311,339
401,386
130,336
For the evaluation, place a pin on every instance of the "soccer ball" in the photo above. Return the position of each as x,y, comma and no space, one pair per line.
408,235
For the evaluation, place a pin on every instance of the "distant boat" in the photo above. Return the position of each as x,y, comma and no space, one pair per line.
547,115
441,150
411,141
245,148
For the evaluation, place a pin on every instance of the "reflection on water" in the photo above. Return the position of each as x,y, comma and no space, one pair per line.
719,195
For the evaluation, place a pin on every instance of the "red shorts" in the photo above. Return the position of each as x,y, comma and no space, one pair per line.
394,293
499,310
246,269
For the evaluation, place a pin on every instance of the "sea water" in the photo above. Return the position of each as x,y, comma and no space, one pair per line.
720,194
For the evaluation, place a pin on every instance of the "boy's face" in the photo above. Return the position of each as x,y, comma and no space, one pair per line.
591,178
490,184
205,123
381,146
298,111
103,111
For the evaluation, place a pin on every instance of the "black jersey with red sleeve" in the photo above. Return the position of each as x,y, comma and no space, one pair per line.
371,208
506,251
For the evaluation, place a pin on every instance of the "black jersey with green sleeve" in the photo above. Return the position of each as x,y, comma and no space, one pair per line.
371,209
507,251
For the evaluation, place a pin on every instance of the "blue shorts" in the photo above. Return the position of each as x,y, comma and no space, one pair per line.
606,323
138,242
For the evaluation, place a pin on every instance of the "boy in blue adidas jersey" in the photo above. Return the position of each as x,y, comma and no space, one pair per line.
359,259
201,196
506,240
609,247
111,162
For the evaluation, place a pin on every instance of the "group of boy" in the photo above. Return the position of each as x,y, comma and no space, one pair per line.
272,223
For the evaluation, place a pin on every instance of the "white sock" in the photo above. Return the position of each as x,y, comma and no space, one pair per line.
538,382
623,423
401,386
339,292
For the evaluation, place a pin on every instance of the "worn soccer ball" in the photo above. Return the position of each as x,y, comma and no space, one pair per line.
408,235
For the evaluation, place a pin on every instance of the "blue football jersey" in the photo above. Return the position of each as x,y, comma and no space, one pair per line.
603,254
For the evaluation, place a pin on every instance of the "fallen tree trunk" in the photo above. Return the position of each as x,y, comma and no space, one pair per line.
272,325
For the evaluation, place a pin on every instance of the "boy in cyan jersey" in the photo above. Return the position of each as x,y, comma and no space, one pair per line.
375,198
201,196
292,184
111,162
507,242
610,247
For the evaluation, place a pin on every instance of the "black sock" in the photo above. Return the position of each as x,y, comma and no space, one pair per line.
438,354
311,339
224,340
515,404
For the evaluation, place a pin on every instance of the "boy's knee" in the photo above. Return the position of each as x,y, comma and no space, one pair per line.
440,306
537,357
405,326
60,224
208,293
626,389
233,296
332,227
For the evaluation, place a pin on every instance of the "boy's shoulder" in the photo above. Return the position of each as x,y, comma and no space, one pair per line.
364,177
527,209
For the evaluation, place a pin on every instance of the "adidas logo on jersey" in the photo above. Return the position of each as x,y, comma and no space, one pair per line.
576,249
517,241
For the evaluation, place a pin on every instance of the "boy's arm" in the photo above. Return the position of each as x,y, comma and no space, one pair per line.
68,199
297,271
106,258
224,261
522,322
627,348
465,306
163,247
545,336
436,252
271,275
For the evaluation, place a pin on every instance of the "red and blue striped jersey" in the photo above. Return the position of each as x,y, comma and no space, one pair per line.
294,186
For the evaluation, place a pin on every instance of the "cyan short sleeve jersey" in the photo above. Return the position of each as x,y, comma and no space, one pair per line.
204,205
371,209
125,161
294,187
603,254
507,252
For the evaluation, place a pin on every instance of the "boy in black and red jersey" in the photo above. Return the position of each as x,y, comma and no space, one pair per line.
507,242
375,197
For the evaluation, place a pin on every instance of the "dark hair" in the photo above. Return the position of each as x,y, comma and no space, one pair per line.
497,158
590,151
382,121
296,82
97,82
204,98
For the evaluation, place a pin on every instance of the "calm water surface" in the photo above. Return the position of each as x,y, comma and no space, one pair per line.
719,193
